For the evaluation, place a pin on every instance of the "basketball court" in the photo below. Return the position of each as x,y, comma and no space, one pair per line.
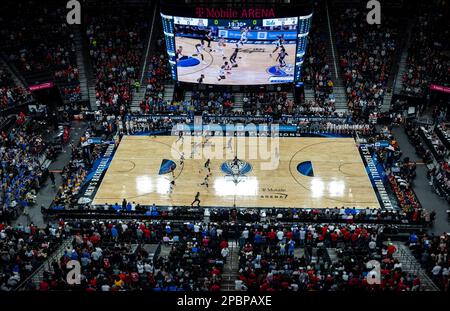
255,65
309,173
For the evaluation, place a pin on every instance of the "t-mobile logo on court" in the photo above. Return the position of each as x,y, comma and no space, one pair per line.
260,143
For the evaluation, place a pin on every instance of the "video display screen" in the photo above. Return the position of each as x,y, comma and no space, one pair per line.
235,52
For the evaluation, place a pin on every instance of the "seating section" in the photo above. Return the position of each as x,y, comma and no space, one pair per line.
428,59
316,67
366,55
116,45
11,94
23,250
40,43
270,259
20,171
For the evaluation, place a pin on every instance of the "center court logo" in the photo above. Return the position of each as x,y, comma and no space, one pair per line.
248,142
236,168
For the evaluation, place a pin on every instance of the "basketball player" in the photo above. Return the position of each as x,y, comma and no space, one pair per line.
172,169
279,44
233,58
205,181
179,53
244,34
228,68
221,73
281,56
230,143
207,163
180,137
171,186
208,38
199,47
194,149
196,200
182,159
235,162
220,45
200,80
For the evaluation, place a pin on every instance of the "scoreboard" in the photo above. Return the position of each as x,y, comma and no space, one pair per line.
294,30
235,23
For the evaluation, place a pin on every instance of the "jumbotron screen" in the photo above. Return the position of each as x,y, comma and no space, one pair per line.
236,52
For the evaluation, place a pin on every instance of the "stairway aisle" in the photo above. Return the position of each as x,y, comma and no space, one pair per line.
403,66
309,94
231,268
410,265
340,95
169,91
18,81
78,38
238,102
138,97
341,98
46,266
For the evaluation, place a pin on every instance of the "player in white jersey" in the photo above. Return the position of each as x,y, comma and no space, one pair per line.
200,48
224,70
244,34
281,57
230,143
279,44
221,73
220,47
208,38
182,159
205,181
179,53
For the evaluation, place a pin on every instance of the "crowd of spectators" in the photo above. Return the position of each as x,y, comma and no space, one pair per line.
116,44
10,94
20,170
157,74
113,257
432,251
366,55
71,93
22,250
39,40
400,173
437,161
326,215
428,58
268,103
439,176
316,67
433,141
75,172
270,259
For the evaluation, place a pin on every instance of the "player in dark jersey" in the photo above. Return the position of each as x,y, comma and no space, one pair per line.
279,44
179,53
233,58
200,80
208,38
281,56
196,200
199,47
